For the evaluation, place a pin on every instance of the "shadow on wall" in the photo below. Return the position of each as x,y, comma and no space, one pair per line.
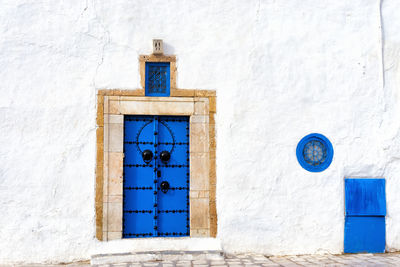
168,49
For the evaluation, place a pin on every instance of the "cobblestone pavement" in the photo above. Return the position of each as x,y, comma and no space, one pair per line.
248,260
388,259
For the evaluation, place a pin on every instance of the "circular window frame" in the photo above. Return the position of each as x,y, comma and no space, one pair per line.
329,152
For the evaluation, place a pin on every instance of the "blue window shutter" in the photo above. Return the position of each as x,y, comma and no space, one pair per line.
157,79
365,204
365,197
364,234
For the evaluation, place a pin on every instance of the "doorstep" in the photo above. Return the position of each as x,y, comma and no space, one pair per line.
156,248
157,256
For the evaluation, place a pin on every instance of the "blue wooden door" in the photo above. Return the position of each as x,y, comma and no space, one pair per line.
156,176
365,204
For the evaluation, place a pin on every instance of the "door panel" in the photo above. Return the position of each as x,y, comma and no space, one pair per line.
141,177
171,224
138,199
173,176
174,199
140,224
364,234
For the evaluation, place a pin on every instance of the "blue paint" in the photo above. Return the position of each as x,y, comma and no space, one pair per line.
148,212
365,197
314,152
157,79
365,204
155,178
176,172
364,234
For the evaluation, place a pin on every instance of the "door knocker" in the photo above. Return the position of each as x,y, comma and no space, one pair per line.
147,156
164,187
165,156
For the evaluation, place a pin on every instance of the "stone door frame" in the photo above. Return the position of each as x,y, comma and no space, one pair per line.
112,105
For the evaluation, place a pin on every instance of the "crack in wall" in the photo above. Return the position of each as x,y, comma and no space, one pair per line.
106,41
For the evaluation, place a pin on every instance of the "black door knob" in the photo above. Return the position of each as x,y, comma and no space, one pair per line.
164,186
147,155
165,156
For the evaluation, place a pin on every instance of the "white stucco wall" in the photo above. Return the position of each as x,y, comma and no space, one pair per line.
282,69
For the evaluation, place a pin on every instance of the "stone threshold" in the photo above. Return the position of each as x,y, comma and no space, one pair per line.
155,256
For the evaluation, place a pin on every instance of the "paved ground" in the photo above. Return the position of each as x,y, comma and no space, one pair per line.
388,259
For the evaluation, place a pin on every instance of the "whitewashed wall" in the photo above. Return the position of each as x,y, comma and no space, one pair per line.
282,69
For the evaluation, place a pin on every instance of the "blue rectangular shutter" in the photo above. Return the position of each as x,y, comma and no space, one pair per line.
157,79
364,234
365,197
365,204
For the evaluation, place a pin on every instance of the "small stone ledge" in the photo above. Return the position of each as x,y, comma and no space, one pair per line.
150,256
140,92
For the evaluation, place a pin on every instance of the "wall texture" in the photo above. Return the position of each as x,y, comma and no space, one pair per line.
282,69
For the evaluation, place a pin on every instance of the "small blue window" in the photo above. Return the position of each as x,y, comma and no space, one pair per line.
314,152
157,79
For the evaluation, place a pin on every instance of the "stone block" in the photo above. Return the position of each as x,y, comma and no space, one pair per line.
112,118
114,235
199,119
100,110
205,93
114,217
199,171
116,137
105,175
115,173
199,213
199,232
212,118
182,92
199,137
212,104
201,107
115,199
157,107
114,107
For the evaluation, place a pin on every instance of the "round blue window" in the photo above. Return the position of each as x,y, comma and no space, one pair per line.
314,152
